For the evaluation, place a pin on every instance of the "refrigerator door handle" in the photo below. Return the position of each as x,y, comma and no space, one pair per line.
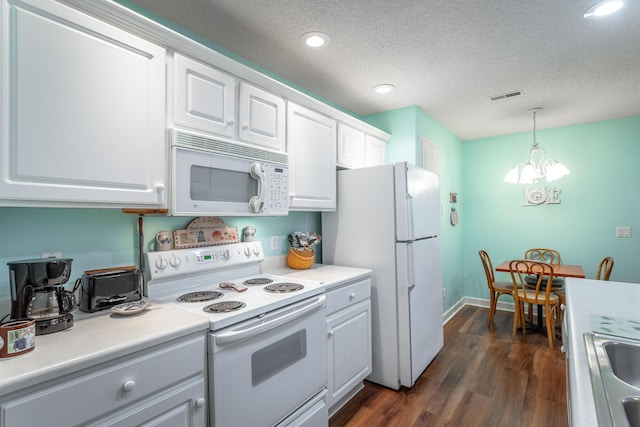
413,285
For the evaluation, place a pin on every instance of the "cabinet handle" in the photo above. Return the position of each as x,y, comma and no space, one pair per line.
128,386
200,402
331,333
160,190
230,122
245,126
352,295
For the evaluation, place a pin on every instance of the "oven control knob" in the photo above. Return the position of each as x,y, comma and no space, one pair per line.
161,263
225,254
256,250
175,261
247,251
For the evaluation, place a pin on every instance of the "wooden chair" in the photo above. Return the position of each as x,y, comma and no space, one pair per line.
495,288
550,256
604,272
540,294
604,269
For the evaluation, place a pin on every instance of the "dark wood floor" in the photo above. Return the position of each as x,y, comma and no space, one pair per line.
479,378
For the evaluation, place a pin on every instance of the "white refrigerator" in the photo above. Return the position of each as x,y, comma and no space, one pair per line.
388,220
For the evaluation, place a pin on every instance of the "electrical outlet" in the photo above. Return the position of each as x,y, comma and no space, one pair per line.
274,243
444,293
623,231
50,254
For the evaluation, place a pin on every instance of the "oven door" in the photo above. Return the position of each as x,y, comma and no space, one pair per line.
263,369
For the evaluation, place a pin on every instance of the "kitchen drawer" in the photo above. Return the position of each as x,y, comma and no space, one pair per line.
342,297
83,398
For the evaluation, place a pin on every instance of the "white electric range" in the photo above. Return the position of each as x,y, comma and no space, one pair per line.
267,335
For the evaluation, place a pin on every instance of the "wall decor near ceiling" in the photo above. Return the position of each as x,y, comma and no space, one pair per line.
541,196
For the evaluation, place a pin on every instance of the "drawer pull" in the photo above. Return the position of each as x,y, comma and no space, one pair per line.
200,402
352,295
128,386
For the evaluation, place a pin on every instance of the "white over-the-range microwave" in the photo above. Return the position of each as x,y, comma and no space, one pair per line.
215,177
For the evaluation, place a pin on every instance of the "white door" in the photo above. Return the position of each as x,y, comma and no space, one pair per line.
311,144
262,118
417,202
420,327
204,98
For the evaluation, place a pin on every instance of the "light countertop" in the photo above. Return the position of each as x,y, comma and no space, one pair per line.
93,339
103,336
330,276
586,297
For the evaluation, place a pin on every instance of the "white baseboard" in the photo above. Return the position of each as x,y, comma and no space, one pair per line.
478,302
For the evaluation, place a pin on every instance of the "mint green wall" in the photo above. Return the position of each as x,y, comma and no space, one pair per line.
100,238
600,193
406,126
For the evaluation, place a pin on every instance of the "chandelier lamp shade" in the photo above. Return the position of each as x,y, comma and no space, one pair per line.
536,166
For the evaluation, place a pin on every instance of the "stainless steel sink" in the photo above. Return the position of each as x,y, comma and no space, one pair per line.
614,365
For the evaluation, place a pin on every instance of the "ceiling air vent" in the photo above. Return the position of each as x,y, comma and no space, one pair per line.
507,95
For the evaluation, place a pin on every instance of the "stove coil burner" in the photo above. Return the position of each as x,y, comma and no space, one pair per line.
283,287
199,296
224,307
258,281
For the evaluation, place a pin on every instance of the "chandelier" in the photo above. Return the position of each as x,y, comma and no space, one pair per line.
536,167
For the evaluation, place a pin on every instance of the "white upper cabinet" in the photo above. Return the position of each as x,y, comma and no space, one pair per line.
311,144
262,118
83,110
375,151
357,149
350,147
204,98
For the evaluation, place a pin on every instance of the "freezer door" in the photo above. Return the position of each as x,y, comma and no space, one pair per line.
417,202
420,327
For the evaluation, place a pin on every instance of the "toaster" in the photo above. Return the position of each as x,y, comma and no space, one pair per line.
102,289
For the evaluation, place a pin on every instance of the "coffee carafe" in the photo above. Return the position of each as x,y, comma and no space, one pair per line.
37,292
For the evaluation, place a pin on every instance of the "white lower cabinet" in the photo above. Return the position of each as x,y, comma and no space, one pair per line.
349,341
162,386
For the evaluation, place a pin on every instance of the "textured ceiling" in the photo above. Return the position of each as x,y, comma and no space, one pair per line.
446,56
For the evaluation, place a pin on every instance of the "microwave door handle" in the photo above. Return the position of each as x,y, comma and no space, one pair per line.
256,203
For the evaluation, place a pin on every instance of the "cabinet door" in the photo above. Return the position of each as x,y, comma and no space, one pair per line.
311,144
181,406
261,118
349,349
82,110
204,98
375,151
351,150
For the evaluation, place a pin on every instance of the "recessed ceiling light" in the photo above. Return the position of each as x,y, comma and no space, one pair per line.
384,88
603,8
315,39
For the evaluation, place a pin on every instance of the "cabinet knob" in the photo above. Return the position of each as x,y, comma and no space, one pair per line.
200,402
331,333
245,126
128,386
230,122
352,295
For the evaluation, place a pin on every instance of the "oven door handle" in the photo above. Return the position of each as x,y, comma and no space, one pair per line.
233,336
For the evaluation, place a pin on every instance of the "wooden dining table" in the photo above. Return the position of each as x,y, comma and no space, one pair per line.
561,270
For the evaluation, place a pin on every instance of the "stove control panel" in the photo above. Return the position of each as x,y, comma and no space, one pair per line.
185,261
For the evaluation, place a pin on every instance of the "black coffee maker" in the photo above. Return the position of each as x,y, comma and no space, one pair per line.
37,292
